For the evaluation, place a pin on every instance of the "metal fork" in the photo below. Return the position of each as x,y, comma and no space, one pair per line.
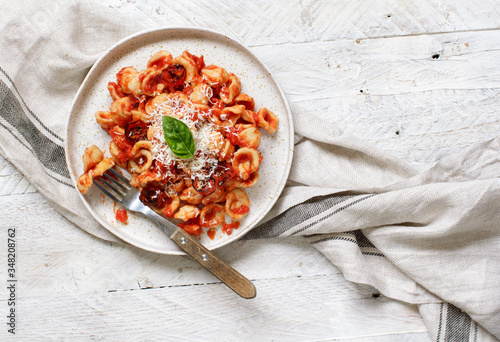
118,188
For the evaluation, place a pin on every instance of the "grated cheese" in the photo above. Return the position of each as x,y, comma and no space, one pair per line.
207,139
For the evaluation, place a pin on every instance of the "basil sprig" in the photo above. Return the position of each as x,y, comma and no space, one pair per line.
178,137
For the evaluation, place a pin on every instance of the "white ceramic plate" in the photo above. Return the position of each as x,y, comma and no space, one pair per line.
218,49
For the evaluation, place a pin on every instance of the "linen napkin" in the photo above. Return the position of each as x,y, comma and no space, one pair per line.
431,238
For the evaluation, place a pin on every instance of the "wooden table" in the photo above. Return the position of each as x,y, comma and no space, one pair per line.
418,79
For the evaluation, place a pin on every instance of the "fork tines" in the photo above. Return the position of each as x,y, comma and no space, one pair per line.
116,185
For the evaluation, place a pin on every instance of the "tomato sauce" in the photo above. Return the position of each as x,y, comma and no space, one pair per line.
198,61
241,210
168,212
116,90
243,158
210,218
228,227
225,92
211,234
159,167
188,90
267,117
251,180
121,215
217,103
162,62
255,117
150,86
192,226
122,142
232,136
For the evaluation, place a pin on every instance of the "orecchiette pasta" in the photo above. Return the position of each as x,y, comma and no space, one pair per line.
212,215
160,60
230,90
249,135
237,182
202,189
237,204
246,161
191,196
215,75
94,165
128,80
267,120
187,212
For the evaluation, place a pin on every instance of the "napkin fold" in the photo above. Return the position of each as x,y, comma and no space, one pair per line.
430,238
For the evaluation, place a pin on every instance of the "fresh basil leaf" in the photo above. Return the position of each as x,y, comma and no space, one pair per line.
178,137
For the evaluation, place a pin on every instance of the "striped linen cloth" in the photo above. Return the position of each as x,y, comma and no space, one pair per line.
431,239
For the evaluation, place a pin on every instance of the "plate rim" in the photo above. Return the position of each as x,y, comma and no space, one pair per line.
90,73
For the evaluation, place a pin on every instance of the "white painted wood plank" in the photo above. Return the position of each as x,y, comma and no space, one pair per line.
285,310
260,22
392,93
385,66
12,181
55,256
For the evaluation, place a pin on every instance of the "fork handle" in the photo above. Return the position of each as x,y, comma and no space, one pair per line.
228,275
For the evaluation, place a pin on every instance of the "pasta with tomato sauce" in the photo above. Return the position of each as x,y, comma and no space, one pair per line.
206,188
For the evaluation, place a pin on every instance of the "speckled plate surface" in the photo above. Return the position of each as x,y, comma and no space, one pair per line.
218,49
